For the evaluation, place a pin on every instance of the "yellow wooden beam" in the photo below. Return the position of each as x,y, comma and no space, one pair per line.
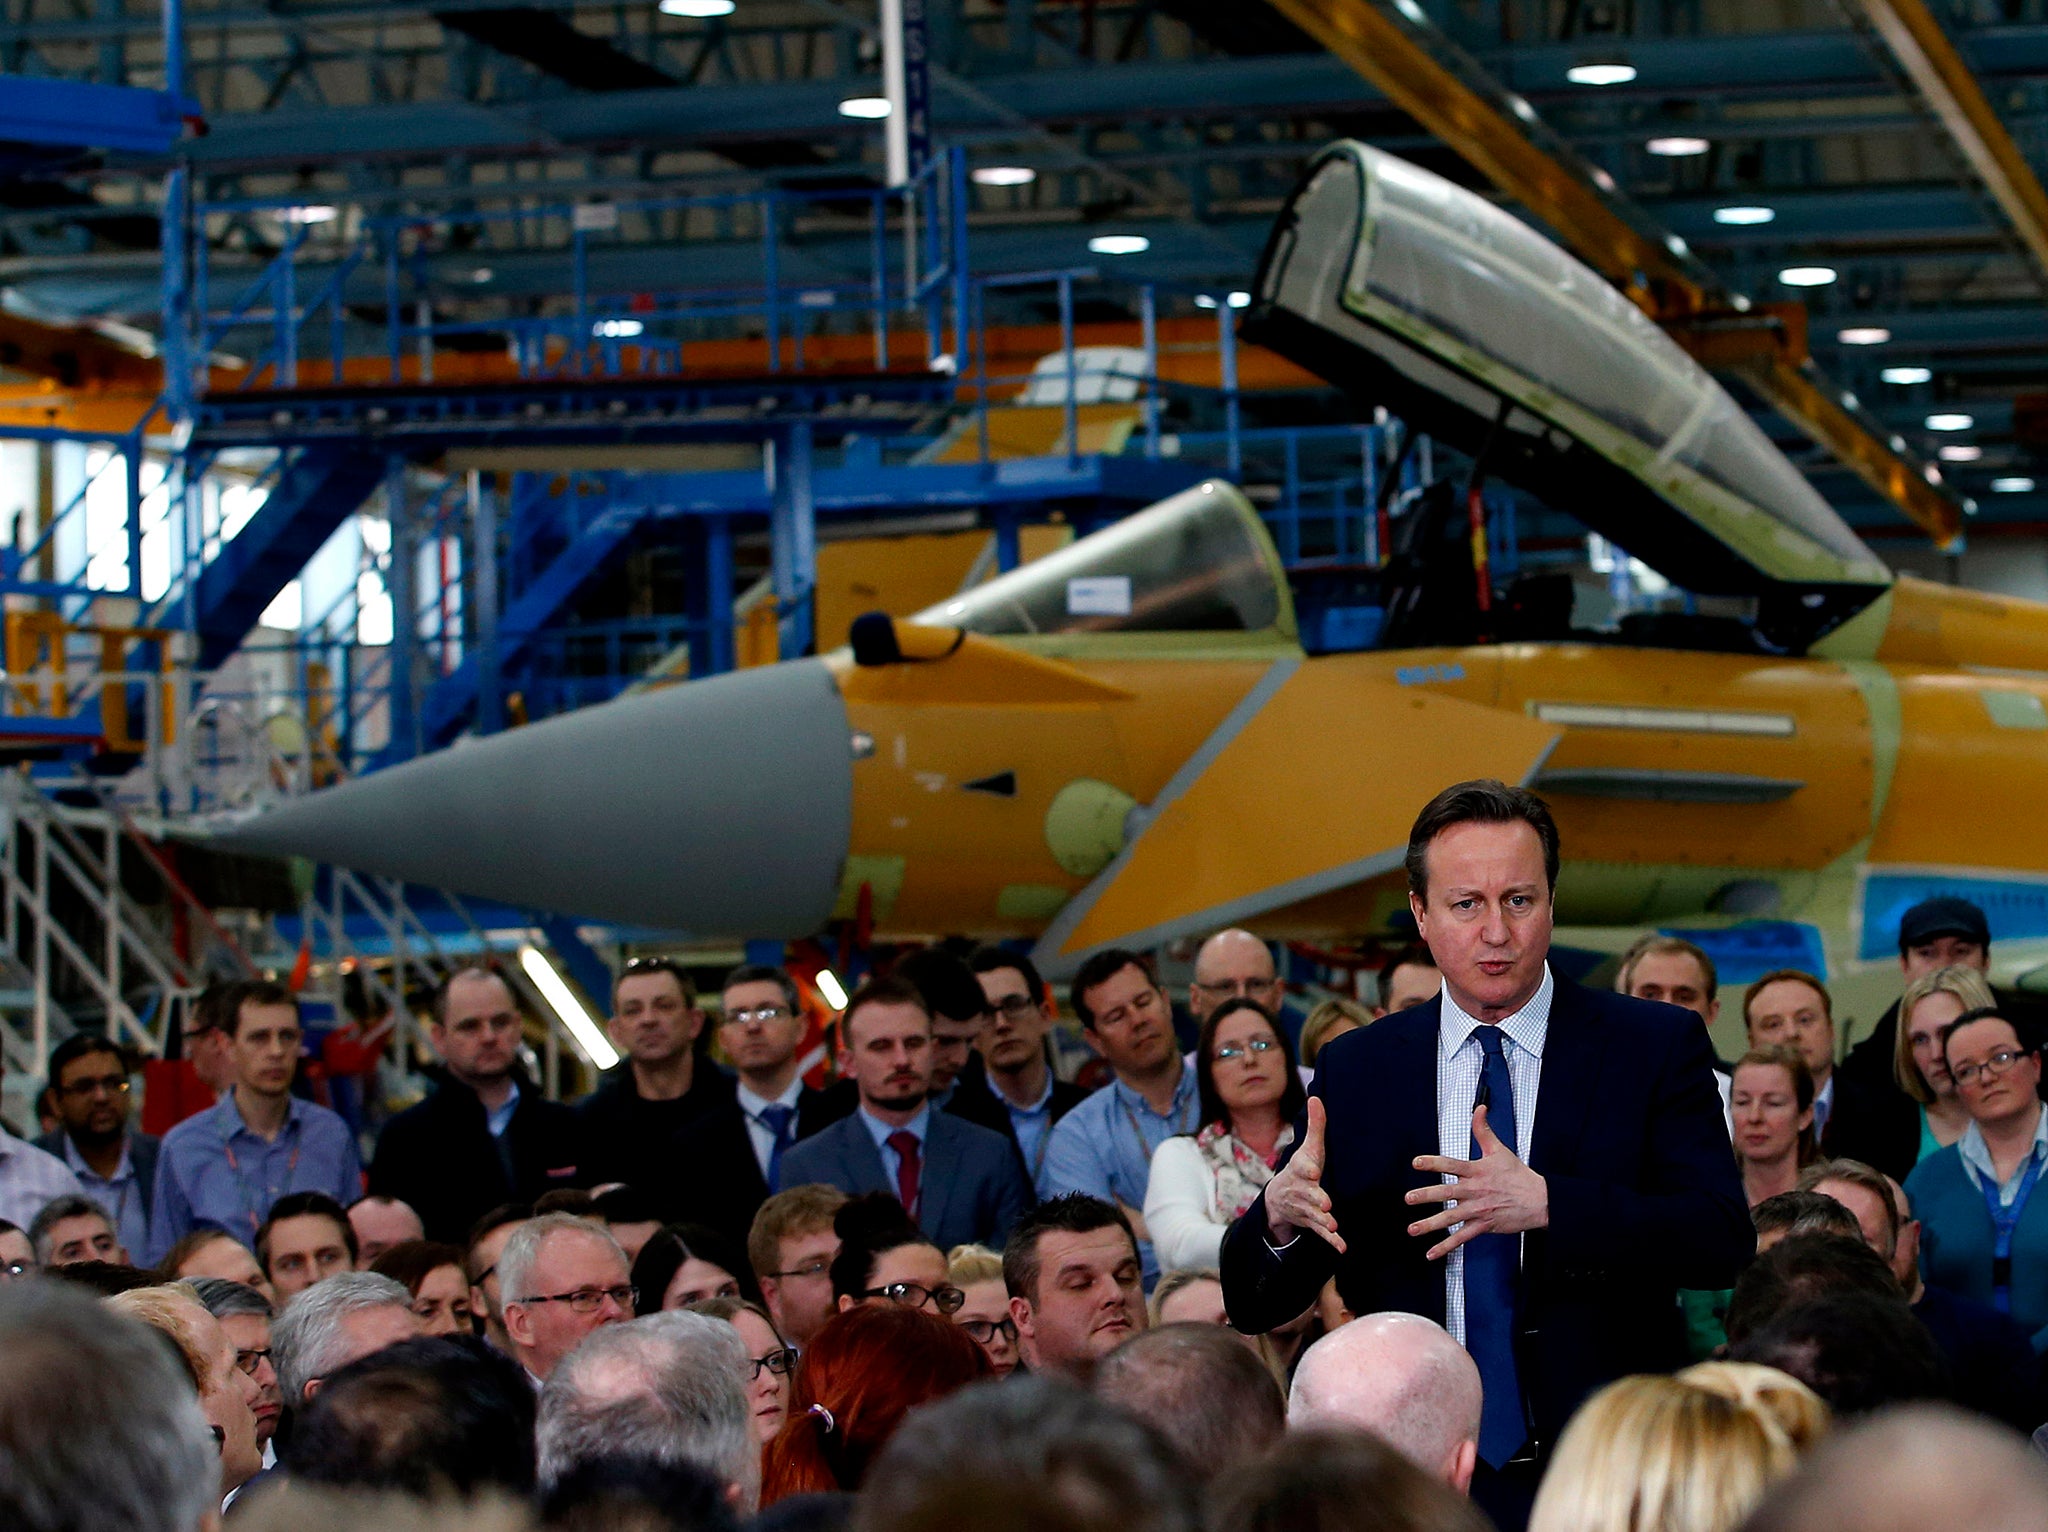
1951,91
1388,53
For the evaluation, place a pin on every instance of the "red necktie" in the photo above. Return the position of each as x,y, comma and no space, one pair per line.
907,1167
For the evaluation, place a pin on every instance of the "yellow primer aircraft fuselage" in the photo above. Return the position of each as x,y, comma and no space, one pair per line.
1686,785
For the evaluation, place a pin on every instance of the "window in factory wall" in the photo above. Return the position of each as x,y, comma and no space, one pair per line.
287,611
104,544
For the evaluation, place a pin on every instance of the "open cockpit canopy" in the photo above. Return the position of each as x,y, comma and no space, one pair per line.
1416,293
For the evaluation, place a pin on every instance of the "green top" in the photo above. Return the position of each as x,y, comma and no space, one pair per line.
1929,1144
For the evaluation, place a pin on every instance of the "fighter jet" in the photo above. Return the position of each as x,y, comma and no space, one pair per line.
1124,742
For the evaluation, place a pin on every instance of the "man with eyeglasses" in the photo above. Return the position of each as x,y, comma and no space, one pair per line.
658,1089
791,1246
730,1158
1014,1078
115,1164
485,1135
1233,965
562,1278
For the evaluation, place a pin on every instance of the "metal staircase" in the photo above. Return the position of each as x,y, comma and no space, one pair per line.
318,489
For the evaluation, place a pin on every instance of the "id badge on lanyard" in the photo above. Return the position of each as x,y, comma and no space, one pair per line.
2005,1220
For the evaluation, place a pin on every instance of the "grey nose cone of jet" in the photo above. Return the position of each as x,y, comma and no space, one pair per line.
719,807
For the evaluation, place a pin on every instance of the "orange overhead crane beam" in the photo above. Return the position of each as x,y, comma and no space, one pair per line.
1944,81
1388,52
1188,355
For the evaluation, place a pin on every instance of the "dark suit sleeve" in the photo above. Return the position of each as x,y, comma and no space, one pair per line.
1262,1287
1682,1219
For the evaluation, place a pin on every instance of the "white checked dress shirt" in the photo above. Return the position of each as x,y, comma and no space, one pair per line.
1459,1060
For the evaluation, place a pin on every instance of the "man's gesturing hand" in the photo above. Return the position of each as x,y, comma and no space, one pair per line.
1496,1193
1295,1198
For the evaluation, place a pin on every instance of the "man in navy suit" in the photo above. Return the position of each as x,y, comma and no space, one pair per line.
731,1156
962,1183
1535,1166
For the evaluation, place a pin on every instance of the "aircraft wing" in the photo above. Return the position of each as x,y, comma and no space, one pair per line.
1309,785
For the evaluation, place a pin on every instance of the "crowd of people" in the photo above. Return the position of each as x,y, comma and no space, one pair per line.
1329,1273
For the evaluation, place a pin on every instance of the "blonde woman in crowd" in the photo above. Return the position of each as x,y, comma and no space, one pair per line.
1930,1004
1683,1454
1331,1019
978,1272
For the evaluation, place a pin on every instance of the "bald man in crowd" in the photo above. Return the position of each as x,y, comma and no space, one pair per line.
1404,1379
1233,965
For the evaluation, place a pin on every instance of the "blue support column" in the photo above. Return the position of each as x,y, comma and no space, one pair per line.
131,461
483,575
401,578
718,644
1008,553
1226,341
793,537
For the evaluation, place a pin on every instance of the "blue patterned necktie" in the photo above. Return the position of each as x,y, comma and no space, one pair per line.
778,1120
1490,1279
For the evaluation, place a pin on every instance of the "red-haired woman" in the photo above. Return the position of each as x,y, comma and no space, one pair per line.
860,1375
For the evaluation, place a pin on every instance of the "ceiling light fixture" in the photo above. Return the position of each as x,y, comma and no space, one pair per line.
617,329
1205,301
1960,452
1953,420
1807,276
1863,335
2016,485
1743,216
1601,71
1678,146
1240,300
1907,374
1119,244
316,212
1002,175
867,108
703,10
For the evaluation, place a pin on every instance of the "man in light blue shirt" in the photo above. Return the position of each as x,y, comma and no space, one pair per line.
225,1167
1104,1146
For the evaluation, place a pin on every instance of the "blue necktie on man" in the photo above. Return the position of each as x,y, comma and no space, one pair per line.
1491,1270
780,1121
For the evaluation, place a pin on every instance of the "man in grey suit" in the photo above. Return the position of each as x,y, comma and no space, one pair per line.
962,1183
89,1089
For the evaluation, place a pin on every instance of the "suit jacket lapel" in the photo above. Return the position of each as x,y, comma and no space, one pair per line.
863,1159
1570,1079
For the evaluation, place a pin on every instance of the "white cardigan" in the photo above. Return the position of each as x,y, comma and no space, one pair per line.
1180,1207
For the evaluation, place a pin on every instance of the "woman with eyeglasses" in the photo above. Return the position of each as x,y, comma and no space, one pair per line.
1250,1095
685,1263
773,1361
985,1314
884,1258
1983,1221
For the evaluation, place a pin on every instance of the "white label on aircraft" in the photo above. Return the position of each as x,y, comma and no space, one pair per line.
1099,596
1679,720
